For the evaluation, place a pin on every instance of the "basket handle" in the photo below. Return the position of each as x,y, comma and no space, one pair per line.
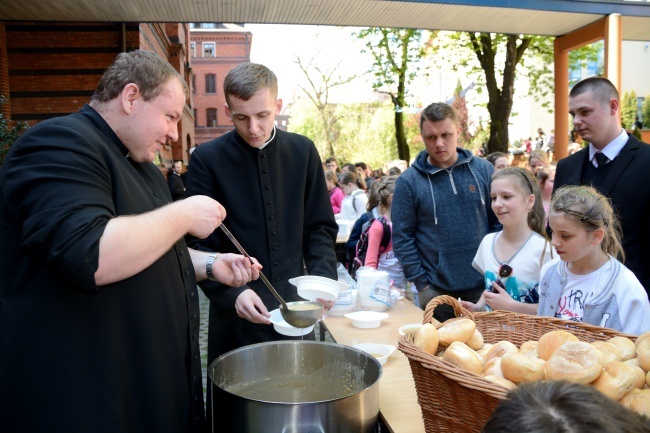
459,310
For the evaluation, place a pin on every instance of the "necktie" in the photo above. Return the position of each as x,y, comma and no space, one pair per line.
601,158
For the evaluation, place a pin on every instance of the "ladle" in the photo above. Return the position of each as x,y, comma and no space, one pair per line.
302,318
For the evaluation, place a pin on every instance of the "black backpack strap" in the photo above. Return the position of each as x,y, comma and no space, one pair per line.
386,235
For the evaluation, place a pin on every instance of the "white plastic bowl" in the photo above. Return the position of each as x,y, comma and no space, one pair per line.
366,319
312,287
379,351
411,327
282,327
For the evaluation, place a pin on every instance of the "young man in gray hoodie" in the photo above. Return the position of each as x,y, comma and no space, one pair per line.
441,211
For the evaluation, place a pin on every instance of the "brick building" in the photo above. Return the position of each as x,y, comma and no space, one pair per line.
51,69
214,49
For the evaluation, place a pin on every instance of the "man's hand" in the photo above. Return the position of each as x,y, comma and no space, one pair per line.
249,306
328,304
235,270
203,213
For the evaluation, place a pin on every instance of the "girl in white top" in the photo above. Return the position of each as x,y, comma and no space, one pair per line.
587,283
511,259
355,200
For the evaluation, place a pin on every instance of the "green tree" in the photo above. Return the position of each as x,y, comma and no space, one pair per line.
645,111
496,61
396,54
460,105
628,109
322,79
9,131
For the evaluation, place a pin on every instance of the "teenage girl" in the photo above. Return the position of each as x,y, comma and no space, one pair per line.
386,260
546,179
536,160
511,259
336,194
355,201
586,283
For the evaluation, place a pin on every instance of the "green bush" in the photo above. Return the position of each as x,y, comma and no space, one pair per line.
9,131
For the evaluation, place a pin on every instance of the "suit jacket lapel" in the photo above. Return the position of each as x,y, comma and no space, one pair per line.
621,162
574,177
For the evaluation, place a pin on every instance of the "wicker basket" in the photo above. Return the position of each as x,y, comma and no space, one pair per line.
456,400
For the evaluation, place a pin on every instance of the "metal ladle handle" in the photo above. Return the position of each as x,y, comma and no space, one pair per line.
241,249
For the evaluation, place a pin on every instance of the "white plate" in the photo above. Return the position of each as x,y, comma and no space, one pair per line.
282,327
411,327
366,319
379,351
312,287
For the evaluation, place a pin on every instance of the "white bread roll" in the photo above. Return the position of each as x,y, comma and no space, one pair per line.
575,361
501,381
643,353
616,380
640,376
459,354
499,349
529,348
483,351
426,338
550,341
476,342
610,351
647,378
641,337
520,368
493,367
625,345
634,362
638,400
457,329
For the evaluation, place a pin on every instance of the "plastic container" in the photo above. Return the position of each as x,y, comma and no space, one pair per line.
374,289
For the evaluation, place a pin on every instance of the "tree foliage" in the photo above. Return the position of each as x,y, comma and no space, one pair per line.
396,54
628,109
645,111
9,131
321,80
460,105
365,131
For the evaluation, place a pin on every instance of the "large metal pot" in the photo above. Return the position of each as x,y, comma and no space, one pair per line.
295,387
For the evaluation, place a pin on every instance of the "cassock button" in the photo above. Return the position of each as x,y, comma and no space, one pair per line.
263,155
180,253
269,202
192,295
187,273
275,248
272,233
193,337
276,263
265,171
271,218
193,316
268,187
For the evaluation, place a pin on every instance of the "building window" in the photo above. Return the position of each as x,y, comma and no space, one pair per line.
208,49
210,83
196,120
192,49
193,83
212,117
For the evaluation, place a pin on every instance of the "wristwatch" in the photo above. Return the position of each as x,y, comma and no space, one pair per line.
208,266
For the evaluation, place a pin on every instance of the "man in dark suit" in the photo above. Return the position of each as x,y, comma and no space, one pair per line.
614,162
175,183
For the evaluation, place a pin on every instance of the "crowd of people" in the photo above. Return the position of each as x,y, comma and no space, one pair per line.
101,263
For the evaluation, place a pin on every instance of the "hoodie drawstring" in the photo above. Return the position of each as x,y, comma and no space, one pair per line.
433,198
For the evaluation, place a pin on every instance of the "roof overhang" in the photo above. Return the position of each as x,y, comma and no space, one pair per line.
542,17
